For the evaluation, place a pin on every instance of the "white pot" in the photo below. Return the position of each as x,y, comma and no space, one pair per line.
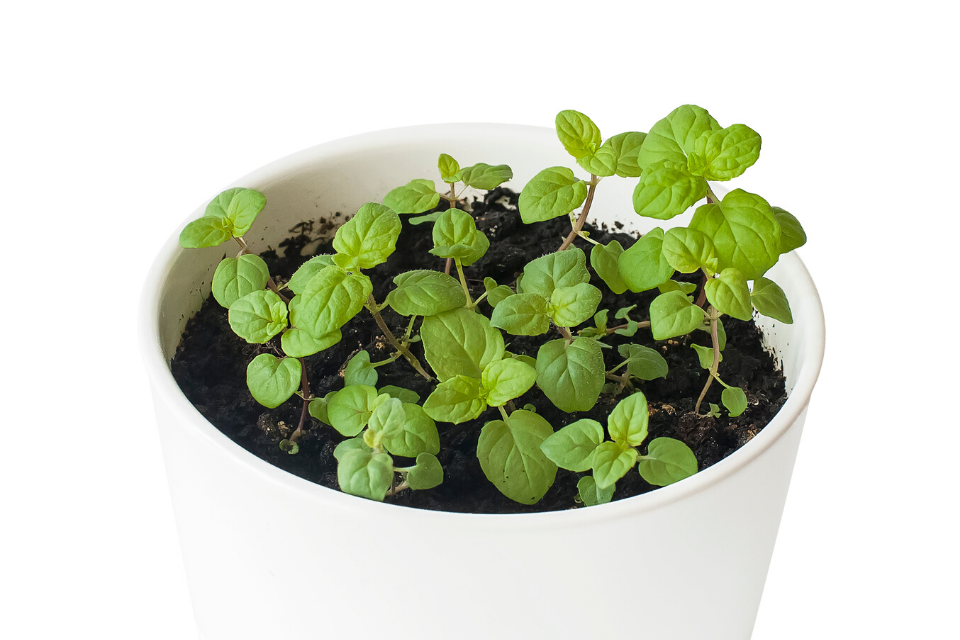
270,555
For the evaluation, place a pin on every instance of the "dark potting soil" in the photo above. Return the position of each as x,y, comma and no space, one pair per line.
210,367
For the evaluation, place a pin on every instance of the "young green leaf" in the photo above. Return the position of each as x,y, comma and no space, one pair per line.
705,354
417,435
455,235
486,177
688,250
318,408
404,395
426,474
728,292
578,134
714,410
510,456
551,193
735,400
349,410
352,444
430,217
460,342
559,269
571,375
792,235
617,155
307,270
455,400
386,421
239,206
365,473
770,300
672,285
630,331
523,314
600,320
330,299
628,421
359,371
573,305
206,232
236,277
504,380
643,266
368,238
672,314
416,196
605,260
572,447
449,168
602,163
272,380
496,293
674,137
297,343
643,362
721,332
425,293
611,462
591,495
523,358
728,152
744,231
666,190
667,461
258,316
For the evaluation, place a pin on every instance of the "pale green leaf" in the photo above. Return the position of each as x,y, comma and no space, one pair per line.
417,435
307,270
486,177
792,235
577,133
523,314
769,299
297,343
318,407
667,461
504,380
591,495
705,354
404,395
628,421
353,444
551,193
572,447
239,206
674,137
449,168
455,400
688,250
728,152
206,232
735,400
365,473
559,269
672,285
359,371
236,277
330,299
350,409
430,217
258,316
426,474
368,238
618,155
728,292
643,362
672,314
460,342
573,305
643,266
605,260
571,375
611,462
496,293
666,190
416,196
510,456
744,231
272,380
425,293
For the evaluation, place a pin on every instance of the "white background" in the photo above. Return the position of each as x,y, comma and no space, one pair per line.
119,119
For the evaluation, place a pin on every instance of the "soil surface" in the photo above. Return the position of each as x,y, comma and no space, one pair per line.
210,367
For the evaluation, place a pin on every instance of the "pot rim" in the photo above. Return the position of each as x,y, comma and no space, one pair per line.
207,435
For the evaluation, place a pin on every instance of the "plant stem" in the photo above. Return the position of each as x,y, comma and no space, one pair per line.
578,225
463,282
702,298
714,368
397,489
503,412
305,392
640,325
453,203
711,196
565,333
412,359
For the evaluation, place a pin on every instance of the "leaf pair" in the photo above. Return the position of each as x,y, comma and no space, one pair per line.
369,473
460,342
462,398
402,428
418,196
455,235
581,138
529,314
230,214
511,458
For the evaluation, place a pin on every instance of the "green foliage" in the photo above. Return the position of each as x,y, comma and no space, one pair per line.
417,433
744,231
230,214
331,298
735,400
644,265
496,293
416,196
571,374
523,314
463,398
272,380
368,238
666,190
769,299
455,235
643,362
728,292
667,461
485,176
591,495
675,137
688,250
258,316
511,458
616,156
236,277
307,270
551,193
562,269
365,473
425,293
449,168
572,447
360,371
578,134
792,235
297,343
404,395
460,342
426,474
605,260
206,232
349,409
672,314
705,354
727,153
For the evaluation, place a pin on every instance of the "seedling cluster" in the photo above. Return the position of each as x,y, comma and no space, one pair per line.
731,241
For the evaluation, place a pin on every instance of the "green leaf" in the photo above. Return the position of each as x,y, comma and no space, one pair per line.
404,395
486,177
460,342
628,421
630,331
416,196
496,293
551,193
605,261
510,456
258,316
572,447
735,400
576,304
330,299
524,359
705,354
577,133
455,235
674,137
368,238
666,190
667,461
297,343
236,277
792,235
618,155
672,314
425,293
449,168
272,380
426,474
318,408
418,434
455,400
353,444
430,217
349,410
600,320
688,250
611,462
728,292
643,266
744,231
504,380
721,333
602,163
386,421
365,473
643,362
591,495
307,270
571,375
770,300
559,269
206,232
672,285
728,152
239,206
359,371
